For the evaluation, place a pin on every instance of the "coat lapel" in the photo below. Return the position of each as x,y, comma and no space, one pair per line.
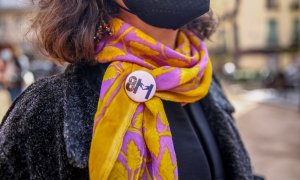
218,110
82,87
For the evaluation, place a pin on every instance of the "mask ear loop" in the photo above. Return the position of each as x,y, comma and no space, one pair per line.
128,10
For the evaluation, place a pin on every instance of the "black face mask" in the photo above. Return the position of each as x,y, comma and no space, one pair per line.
170,14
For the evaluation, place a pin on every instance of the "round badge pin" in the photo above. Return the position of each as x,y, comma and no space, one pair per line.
140,86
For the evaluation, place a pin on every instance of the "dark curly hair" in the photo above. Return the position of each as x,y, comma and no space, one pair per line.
65,28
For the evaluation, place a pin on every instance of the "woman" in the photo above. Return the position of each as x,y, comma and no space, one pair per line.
138,102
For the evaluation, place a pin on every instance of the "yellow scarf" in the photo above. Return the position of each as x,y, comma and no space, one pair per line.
132,140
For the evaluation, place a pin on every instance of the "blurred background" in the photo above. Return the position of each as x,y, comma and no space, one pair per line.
256,54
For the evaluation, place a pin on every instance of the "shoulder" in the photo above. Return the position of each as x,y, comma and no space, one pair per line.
47,97
29,124
43,94
40,113
48,94
33,115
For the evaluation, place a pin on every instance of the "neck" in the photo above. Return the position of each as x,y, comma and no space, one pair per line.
165,36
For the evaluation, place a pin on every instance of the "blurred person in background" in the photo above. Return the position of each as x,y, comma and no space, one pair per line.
10,70
2,70
138,100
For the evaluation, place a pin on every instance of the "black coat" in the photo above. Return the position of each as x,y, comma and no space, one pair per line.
47,132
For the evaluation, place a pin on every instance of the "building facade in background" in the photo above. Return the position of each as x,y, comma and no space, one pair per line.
262,33
14,23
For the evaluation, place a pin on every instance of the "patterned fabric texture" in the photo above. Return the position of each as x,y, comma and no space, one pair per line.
133,140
